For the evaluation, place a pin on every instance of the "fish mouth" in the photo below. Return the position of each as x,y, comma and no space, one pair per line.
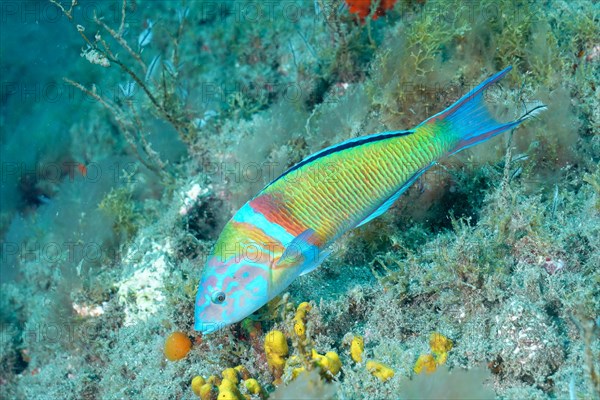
208,327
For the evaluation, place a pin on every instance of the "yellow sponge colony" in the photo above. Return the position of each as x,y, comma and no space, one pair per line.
276,350
300,320
330,363
197,383
357,346
379,370
254,387
425,363
440,345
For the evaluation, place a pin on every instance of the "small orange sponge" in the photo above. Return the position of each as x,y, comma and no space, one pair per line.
177,346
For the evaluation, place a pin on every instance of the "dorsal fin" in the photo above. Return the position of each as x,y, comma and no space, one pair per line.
343,146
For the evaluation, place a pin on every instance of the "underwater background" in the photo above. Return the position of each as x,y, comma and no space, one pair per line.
133,130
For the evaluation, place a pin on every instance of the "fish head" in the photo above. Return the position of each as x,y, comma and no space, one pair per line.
229,291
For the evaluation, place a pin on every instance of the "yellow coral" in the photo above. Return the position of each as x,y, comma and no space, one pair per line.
254,388
302,309
226,384
229,395
439,343
426,363
275,343
242,372
379,370
276,350
300,329
356,348
214,380
231,374
440,359
229,391
207,392
300,318
297,371
330,363
335,365
197,383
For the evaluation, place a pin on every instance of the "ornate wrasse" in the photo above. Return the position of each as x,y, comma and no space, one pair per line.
286,229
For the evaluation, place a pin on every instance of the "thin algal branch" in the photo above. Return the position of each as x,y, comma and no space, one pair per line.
99,52
156,165
119,38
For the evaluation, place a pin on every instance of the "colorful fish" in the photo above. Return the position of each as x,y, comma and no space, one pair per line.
285,231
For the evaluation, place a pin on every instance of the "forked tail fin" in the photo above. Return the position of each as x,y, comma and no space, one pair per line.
471,119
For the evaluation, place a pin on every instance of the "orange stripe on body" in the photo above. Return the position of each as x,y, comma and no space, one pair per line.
269,207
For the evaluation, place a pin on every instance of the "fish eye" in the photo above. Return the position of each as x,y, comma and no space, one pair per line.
218,297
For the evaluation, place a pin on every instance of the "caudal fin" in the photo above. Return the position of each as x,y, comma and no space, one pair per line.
470,116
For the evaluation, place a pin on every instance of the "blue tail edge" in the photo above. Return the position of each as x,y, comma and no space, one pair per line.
470,116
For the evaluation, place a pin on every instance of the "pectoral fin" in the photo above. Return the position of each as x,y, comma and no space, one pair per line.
303,253
301,246
300,257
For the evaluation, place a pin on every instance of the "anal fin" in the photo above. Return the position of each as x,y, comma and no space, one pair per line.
392,199
321,257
